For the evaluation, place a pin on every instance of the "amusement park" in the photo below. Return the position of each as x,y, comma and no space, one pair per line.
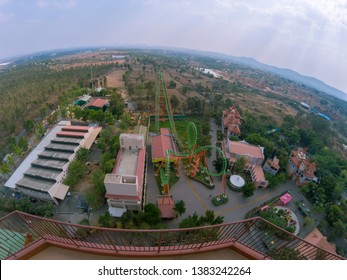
183,155
159,166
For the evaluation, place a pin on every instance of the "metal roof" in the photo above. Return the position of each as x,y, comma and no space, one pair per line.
38,172
55,155
61,147
49,163
67,140
35,184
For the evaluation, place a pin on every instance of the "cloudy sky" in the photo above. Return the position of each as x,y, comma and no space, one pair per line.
308,36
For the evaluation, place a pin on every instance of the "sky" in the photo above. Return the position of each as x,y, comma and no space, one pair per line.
307,36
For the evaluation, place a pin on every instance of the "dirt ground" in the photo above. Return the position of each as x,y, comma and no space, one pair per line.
115,79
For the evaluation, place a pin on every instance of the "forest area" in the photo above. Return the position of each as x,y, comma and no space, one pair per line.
30,92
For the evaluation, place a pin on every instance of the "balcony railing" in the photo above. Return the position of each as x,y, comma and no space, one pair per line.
19,232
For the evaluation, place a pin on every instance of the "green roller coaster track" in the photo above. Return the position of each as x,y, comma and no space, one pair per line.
187,147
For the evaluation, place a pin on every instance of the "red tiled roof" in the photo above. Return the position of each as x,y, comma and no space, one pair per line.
97,102
259,173
318,239
76,128
310,169
166,205
125,197
165,131
275,163
240,148
295,161
160,144
234,129
71,134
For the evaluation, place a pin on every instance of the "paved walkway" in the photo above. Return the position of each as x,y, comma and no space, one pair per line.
197,197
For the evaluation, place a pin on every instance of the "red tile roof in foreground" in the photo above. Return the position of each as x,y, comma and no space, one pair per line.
97,102
318,239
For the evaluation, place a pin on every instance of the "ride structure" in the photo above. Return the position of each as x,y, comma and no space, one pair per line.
188,152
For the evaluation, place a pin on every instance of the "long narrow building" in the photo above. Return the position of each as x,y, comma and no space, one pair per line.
42,172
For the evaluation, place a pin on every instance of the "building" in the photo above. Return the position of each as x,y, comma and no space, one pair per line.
305,105
98,104
124,186
271,166
231,121
300,168
83,100
316,238
162,143
42,172
254,156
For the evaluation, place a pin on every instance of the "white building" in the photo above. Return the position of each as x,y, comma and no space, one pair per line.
124,186
42,172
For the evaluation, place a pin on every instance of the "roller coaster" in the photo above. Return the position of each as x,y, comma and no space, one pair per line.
193,157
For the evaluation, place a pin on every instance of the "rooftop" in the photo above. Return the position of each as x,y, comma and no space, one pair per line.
243,148
318,239
43,168
161,143
98,102
126,162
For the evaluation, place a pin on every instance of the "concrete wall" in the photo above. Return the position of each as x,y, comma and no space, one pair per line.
116,184
132,141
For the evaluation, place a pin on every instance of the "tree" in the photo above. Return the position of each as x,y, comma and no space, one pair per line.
106,220
82,154
196,221
45,210
116,105
172,84
287,254
151,214
308,222
240,165
334,213
39,131
5,168
218,164
98,181
75,172
125,121
211,219
29,125
180,207
175,102
339,229
248,189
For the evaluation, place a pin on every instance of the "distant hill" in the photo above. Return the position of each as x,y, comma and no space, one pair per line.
285,73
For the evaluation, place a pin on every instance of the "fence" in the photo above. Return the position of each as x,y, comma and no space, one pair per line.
19,231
